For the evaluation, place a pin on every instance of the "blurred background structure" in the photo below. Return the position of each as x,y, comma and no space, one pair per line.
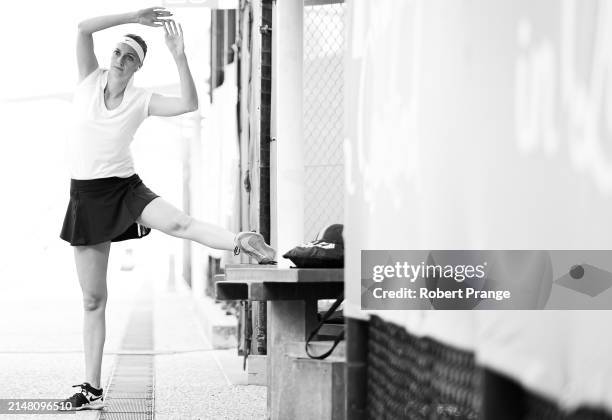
477,125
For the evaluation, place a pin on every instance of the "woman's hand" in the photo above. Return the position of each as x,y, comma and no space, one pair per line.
151,16
174,37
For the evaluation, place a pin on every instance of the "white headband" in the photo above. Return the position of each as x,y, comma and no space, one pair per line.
135,45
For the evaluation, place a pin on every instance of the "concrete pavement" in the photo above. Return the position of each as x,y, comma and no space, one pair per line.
193,379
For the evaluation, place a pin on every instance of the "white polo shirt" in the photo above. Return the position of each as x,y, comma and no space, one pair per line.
99,139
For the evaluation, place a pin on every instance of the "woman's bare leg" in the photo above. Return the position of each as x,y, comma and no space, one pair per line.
163,216
92,263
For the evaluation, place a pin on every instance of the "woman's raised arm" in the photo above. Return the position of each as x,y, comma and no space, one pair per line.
86,59
163,106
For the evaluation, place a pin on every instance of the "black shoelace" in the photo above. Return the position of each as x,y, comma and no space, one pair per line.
84,390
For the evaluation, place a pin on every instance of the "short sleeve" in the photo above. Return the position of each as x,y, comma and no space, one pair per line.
90,77
147,99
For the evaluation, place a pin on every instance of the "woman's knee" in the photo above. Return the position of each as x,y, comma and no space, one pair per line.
94,302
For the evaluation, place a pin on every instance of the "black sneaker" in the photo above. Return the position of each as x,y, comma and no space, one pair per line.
89,398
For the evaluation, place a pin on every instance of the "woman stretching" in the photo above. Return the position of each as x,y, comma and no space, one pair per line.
108,201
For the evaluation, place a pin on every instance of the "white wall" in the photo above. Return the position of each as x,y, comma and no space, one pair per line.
484,125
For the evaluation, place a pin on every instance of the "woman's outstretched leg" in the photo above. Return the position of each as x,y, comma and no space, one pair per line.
163,216
92,263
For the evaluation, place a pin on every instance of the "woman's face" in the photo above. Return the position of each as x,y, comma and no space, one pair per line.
124,61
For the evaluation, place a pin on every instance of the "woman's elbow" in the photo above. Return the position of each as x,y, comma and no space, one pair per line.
192,106
82,28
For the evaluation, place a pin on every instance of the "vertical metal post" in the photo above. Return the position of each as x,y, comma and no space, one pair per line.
265,117
213,54
254,155
259,328
287,152
225,36
245,109
264,92
356,368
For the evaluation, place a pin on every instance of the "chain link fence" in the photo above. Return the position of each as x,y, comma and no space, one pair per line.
324,45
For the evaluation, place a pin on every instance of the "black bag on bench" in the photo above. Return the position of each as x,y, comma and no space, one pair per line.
325,251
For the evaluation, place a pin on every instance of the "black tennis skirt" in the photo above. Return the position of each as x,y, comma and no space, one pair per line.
105,209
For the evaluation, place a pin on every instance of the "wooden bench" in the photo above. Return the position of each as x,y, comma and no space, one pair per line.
292,296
